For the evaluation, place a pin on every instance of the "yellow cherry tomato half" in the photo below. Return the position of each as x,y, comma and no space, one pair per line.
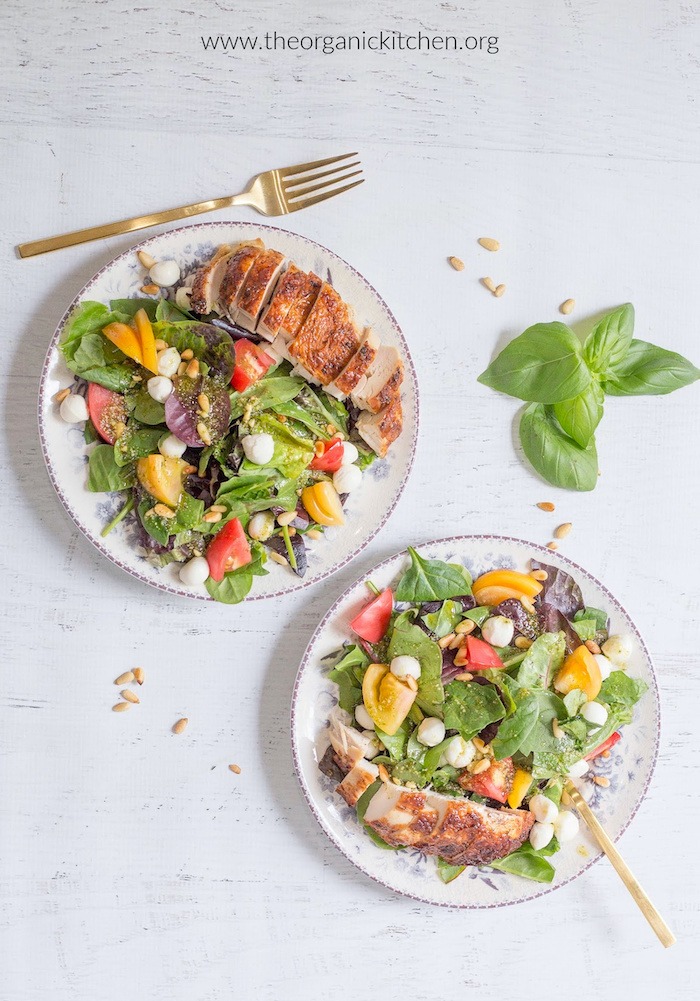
123,337
522,781
322,503
579,670
498,585
387,699
147,339
162,477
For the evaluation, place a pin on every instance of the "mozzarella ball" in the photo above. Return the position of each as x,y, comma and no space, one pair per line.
595,713
566,826
195,571
261,526
374,744
363,717
182,297
172,447
405,667
603,664
578,769
460,752
498,630
544,810
165,273
159,388
168,362
258,448
431,731
618,649
73,409
346,479
350,453
541,835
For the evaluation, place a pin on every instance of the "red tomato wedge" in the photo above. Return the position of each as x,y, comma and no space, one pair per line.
605,746
251,364
107,411
332,457
495,783
481,655
373,621
228,550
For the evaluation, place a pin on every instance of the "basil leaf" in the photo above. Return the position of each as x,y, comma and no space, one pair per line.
555,456
432,580
608,342
648,370
581,416
470,707
542,365
104,475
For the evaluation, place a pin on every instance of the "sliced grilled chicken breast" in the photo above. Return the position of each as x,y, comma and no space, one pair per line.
286,291
383,381
357,367
207,282
457,830
327,339
357,781
258,287
301,306
237,267
349,744
382,429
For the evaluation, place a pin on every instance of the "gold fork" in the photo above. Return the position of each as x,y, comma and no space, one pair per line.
275,192
661,929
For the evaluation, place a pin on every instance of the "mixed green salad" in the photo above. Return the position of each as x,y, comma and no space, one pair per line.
494,691
223,457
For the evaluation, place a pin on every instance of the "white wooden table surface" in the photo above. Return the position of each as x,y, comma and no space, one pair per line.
134,865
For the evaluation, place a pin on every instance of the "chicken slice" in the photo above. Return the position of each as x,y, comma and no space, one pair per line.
301,306
382,429
382,383
402,816
357,367
207,282
327,339
238,265
357,781
259,285
286,291
348,743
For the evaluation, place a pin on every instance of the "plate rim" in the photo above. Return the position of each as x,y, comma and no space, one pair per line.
549,888
298,584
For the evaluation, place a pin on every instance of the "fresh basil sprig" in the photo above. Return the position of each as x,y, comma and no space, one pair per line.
566,382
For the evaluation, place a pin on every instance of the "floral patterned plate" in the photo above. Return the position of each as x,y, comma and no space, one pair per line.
629,768
66,454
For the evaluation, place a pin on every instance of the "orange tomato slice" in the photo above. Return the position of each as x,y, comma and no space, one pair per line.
162,477
579,670
498,585
147,339
387,699
322,502
125,339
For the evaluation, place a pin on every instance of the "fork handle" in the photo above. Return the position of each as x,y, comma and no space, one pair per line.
127,225
661,929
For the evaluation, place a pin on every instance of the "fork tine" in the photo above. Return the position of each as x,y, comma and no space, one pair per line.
313,188
293,206
307,178
312,165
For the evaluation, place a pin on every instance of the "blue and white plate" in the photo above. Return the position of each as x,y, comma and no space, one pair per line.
66,454
629,767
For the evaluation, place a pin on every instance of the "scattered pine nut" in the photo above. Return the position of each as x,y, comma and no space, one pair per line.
557,731
592,646
552,545
456,263
150,289
331,428
499,290
163,511
192,369
181,724
203,433
121,707
286,518
282,418
461,657
527,605
605,754
457,642
203,403
602,781
129,696
181,368
61,395
445,641
480,766
465,627
488,283
539,575
139,675
567,306
479,744
546,506
221,508
464,676
412,683
292,532
278,558
319,448
125,678
523,643
562,531
212,517
187,354
488,243
235,768
160,344
314,534
146,259
383,774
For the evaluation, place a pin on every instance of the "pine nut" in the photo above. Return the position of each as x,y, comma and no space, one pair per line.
181,724
314,534
278,558
292,532
139,675
160,345
499,290
488,283
457,642
121,707
465,627
489,244
203,433
480,766
286,518
567,306
181,368
146,259
319,448
557,731
282,418
212,517
546,506
456,263
150,289
464,676
527,605
129,696
383,774
605,754
592,646
187,354
125,678
552,545
461,657
331,428
61,395
602,781
203,403
412,683
235,768
192,369
163,511
221,508
562,531
538,575
523,643
479,744
445,641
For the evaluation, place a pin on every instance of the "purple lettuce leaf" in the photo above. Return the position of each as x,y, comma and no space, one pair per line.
559,590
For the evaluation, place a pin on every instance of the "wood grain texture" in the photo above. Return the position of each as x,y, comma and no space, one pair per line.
134,863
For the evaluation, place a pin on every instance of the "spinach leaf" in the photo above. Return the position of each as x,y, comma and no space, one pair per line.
581,416
104,475
87,317
543,365
447,871
146,409
408,639
130,307
554,455
168,312
574,702
325,408
396,743
361,808
542,660
292,453
445,619
470,707
347,674
479,614
599,617
529,729
619,688
432,580
234,587
526,862
648,370
586,629
609,341
270,393
136,443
